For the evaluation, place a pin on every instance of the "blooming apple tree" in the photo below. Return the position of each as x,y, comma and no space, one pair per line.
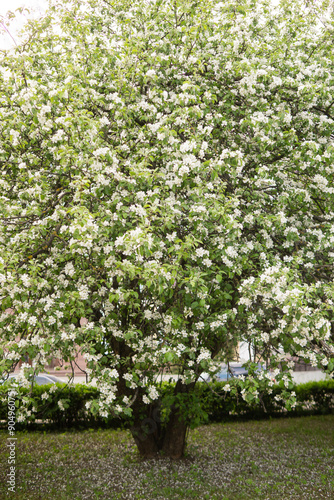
167,192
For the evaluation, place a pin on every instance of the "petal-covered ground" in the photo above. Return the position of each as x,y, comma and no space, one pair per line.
279,459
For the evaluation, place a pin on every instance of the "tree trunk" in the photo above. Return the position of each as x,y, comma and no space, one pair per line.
147,436
154,438
175,437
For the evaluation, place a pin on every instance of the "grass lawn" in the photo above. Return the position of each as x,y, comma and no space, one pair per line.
278,459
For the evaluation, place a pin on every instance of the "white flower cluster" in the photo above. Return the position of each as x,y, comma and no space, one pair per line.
158,207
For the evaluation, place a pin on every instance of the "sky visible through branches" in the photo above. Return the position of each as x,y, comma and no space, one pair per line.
36,8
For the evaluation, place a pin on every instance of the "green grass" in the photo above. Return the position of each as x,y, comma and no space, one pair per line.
279,459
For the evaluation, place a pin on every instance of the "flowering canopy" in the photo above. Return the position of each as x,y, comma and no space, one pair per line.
167,189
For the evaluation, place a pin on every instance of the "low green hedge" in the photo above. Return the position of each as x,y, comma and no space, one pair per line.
213,405
311,398
73,398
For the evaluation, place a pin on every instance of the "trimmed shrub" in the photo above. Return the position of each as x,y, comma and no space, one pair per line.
72,411
312,398
213,405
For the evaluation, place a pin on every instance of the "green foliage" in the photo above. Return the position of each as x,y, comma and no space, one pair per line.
189,405
208,403
48,411
310,398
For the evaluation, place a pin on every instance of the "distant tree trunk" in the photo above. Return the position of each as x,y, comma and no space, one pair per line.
152,438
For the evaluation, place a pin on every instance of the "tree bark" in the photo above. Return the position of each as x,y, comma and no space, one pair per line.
146,442
154,438
175,437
